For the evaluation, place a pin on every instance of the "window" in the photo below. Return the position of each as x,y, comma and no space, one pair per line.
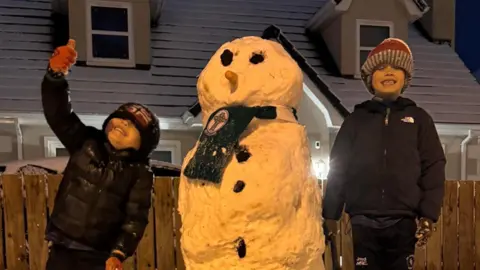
167,151
110,34
369,35
53,147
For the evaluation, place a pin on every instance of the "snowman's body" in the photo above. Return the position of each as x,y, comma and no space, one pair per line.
266,212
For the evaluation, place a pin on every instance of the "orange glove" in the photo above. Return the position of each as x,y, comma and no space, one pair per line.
113,263
63,58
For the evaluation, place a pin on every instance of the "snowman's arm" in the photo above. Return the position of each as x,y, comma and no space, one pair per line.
137,209
334,198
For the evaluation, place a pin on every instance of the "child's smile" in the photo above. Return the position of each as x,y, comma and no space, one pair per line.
122,134
388,80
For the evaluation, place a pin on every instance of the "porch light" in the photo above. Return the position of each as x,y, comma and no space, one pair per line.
320,168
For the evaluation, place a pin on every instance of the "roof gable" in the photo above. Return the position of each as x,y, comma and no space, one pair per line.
334,8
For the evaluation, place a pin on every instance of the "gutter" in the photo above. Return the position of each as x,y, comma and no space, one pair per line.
274,32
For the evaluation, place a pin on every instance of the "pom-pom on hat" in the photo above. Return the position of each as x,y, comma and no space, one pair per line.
391,51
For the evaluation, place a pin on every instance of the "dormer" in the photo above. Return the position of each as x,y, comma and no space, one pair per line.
439,22
351,29
110,33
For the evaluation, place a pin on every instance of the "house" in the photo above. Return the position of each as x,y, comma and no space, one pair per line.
157,58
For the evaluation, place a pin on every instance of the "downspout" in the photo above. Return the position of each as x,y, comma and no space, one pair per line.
463,151
18,131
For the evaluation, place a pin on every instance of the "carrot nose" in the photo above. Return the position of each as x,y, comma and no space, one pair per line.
232,77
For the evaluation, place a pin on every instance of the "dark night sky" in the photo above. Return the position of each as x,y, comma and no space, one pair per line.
467,33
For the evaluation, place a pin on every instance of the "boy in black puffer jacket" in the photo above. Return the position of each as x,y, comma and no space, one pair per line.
387,167
101,208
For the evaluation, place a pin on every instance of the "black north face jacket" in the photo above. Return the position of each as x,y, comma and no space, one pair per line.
386,161
104,198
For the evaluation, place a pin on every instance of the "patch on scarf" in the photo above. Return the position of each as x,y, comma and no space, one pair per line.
218,121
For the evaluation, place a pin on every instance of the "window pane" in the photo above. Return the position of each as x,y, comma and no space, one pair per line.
109,19
110,46
371,36
62,152
165,156
363,56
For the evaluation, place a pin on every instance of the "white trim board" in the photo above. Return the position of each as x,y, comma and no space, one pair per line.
52,143
358,48
94,61
94,120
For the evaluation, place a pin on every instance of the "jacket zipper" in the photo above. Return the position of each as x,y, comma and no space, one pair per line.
387,116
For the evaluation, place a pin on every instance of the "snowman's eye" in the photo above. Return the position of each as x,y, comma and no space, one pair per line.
257,58
226,57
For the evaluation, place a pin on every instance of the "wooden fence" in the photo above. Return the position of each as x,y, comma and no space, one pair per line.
25,208
452,245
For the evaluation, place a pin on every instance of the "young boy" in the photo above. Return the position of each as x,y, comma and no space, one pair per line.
387,166
101,208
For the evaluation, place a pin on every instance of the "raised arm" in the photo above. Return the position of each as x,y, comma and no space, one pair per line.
137,208
334,199
433,162
57,108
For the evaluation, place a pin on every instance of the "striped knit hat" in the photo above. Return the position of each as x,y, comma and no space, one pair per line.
391,51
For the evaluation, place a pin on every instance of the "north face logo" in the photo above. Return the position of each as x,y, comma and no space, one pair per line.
408,119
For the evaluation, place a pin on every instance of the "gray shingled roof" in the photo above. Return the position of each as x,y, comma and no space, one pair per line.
188,34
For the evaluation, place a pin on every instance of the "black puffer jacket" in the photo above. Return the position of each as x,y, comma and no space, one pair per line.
386,161
105,195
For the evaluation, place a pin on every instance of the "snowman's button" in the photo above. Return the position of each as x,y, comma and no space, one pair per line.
242,154
239,186
241,248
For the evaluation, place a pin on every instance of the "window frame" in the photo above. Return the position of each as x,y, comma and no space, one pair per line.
172,146
96,61
52,143
359,48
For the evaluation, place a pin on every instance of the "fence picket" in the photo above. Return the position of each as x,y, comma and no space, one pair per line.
146,247
420,262
36,220
450,232
2,251
434,247
466,239
164,223
477,225
15,242
178,225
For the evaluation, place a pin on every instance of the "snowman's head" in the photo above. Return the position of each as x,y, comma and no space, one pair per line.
250,71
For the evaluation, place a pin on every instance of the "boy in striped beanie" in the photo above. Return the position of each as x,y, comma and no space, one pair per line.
388,69
387,166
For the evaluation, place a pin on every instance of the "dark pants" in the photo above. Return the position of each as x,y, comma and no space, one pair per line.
61,258
390,248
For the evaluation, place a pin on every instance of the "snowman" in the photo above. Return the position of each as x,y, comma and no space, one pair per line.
247,196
